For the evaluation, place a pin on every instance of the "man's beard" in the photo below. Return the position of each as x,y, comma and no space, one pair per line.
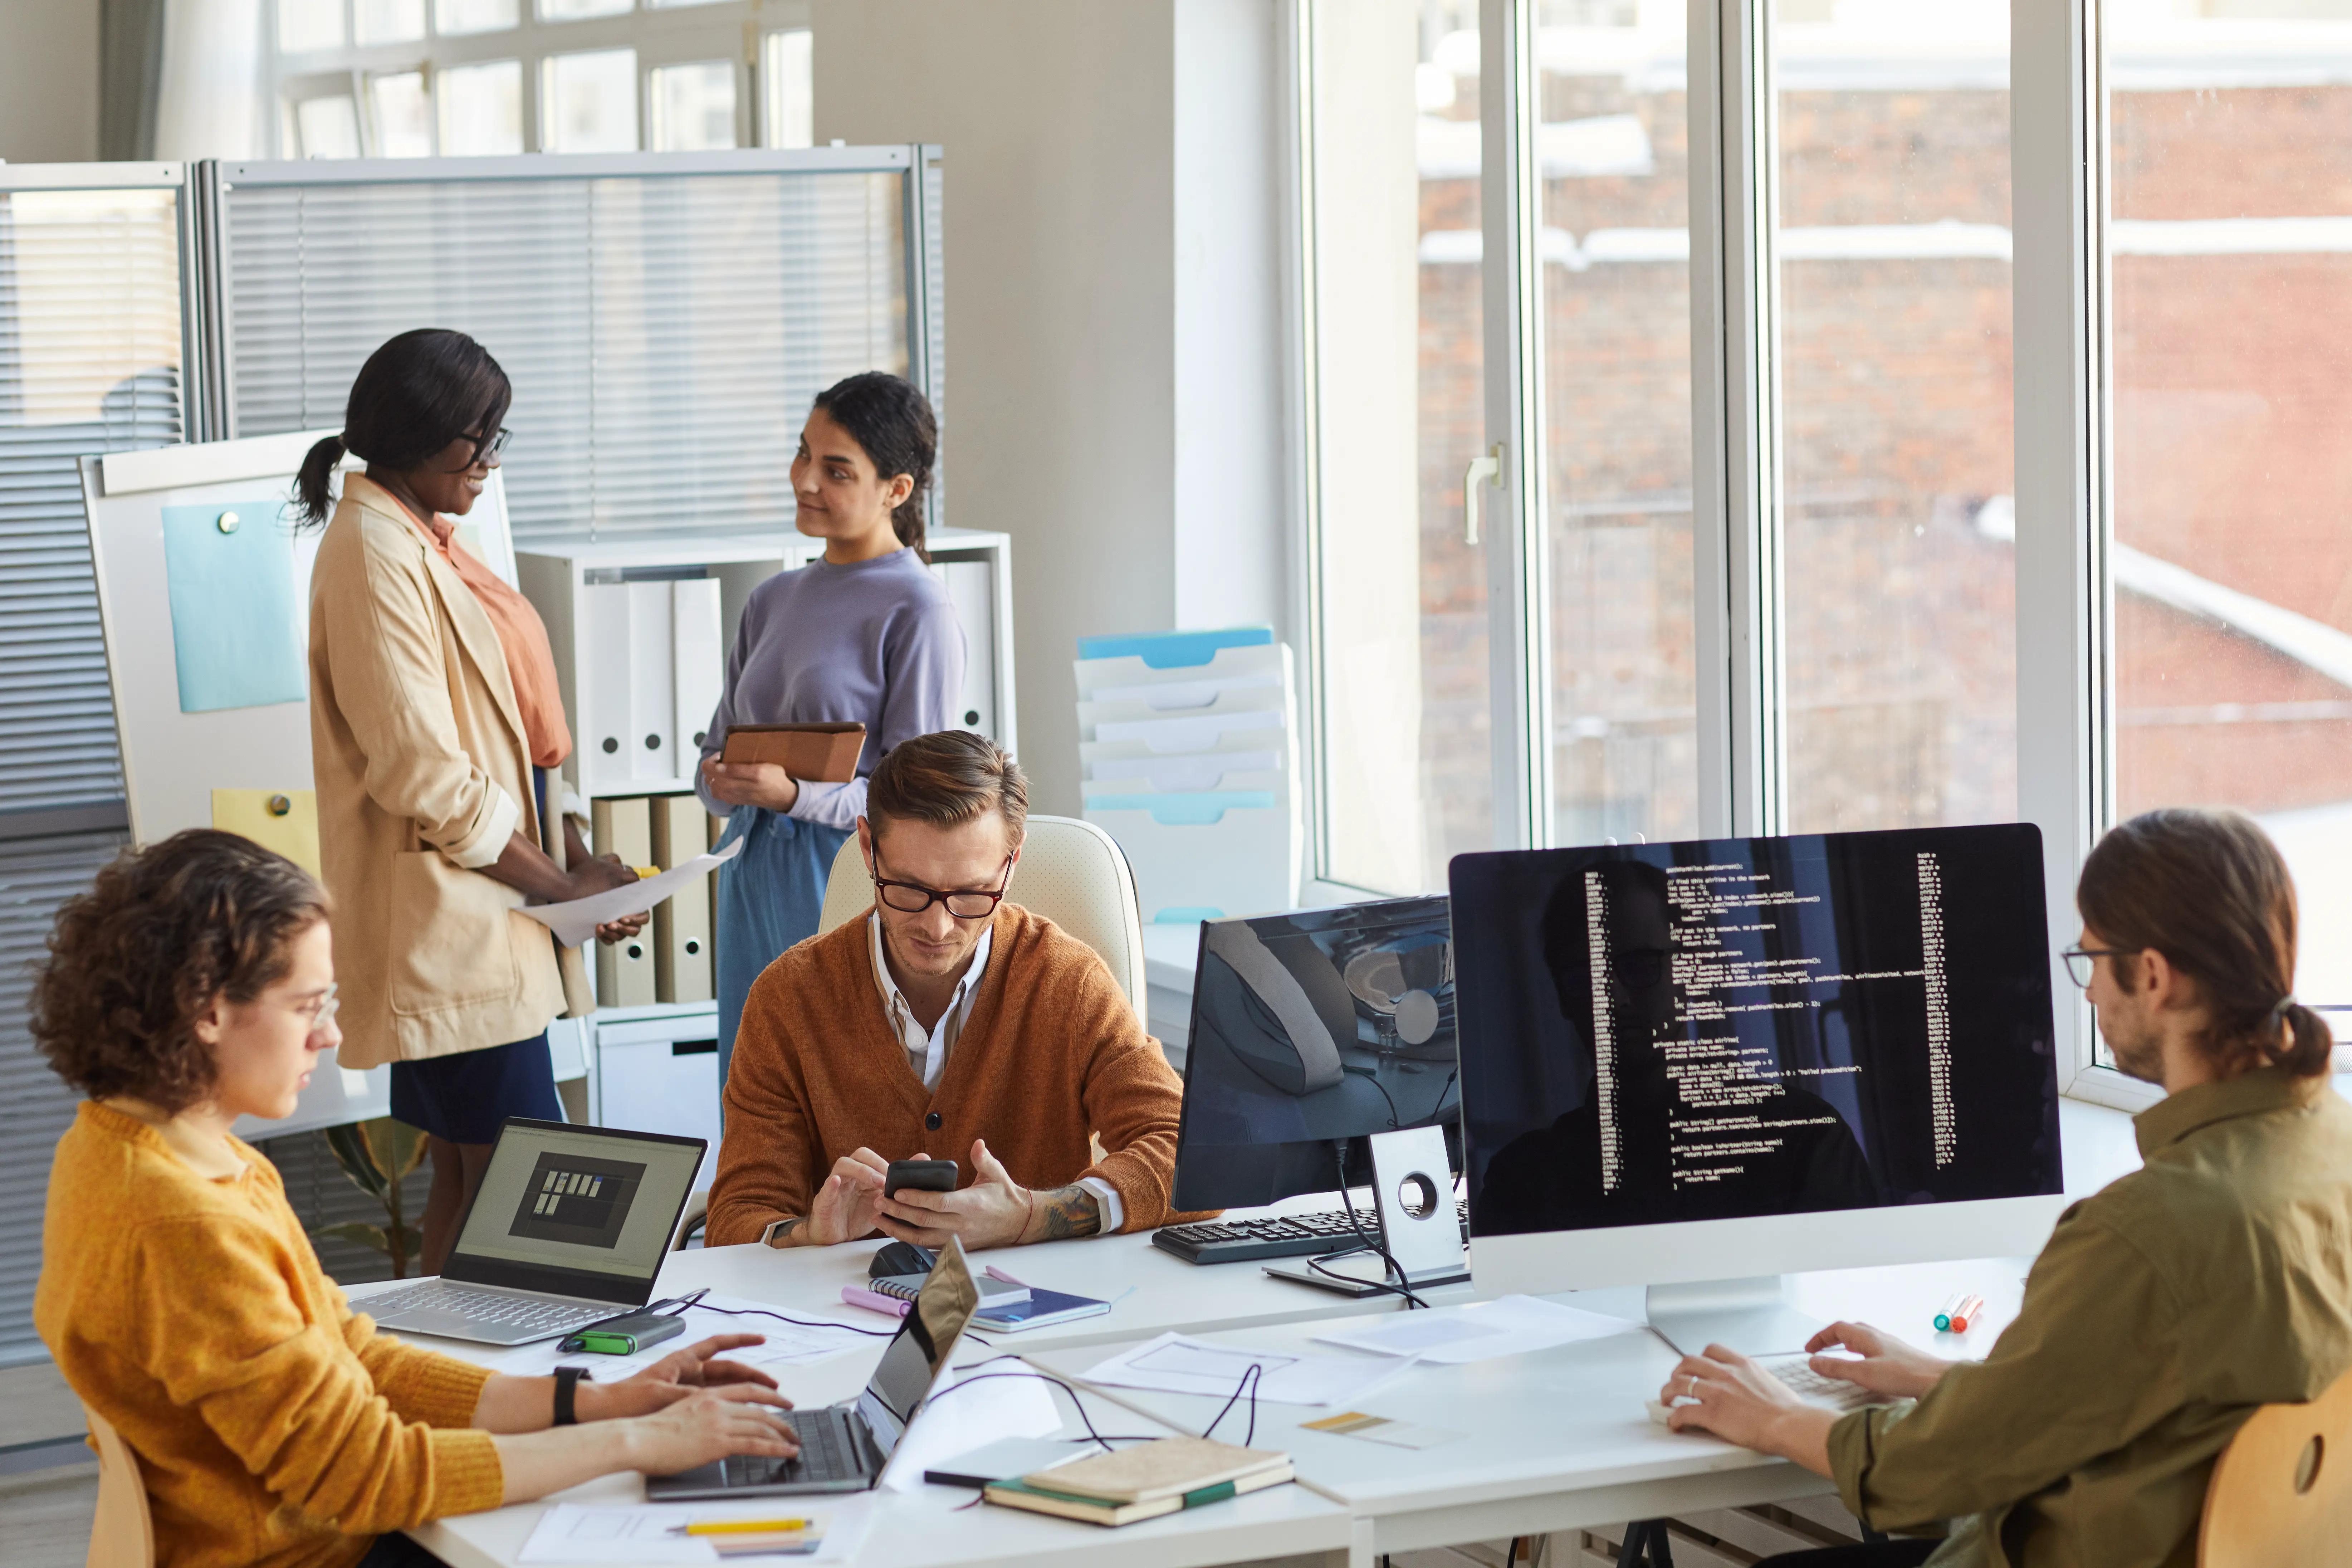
2139,1054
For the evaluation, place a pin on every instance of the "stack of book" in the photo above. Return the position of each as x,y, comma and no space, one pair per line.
1145,1481
1187,745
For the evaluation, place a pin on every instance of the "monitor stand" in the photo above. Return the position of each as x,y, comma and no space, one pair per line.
1413,1194
1751,1316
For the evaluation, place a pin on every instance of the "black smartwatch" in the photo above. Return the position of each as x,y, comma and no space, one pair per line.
567,1385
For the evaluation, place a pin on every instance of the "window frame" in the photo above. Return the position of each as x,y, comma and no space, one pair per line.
732,30
2066,705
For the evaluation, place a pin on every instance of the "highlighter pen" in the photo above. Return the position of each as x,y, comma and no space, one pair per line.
1954,1317
740,1526
647,873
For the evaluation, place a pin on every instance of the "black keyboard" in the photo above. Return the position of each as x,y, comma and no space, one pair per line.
828,1453
1274,1236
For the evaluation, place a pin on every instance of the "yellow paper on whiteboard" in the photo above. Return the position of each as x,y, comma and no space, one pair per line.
292,831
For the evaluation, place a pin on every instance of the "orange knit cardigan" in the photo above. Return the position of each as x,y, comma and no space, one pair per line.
1051,1053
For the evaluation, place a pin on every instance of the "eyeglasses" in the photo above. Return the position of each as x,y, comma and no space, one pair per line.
1638,968
320,1011
2081,962
964,903
487,447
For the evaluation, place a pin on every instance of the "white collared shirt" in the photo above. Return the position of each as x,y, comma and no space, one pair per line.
928,1049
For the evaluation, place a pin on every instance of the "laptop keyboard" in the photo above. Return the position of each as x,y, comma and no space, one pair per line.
828,1453
483,1307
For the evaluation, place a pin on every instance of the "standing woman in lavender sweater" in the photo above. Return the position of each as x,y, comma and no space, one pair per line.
866,635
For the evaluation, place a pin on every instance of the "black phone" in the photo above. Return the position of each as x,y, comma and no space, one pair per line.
923,1175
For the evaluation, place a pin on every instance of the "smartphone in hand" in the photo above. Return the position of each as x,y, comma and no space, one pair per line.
923,1175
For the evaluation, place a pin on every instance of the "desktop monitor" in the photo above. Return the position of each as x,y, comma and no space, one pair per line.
1736,1058
1310,1032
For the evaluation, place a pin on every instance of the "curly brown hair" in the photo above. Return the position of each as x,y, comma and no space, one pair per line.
163,932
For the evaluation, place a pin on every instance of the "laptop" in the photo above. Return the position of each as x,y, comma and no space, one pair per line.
845,1446
568,1228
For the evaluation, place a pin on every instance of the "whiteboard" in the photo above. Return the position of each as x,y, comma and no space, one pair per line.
172,760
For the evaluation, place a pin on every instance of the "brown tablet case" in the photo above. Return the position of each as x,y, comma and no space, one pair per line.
814,754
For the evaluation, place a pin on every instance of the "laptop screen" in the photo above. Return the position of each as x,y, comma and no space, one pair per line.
576,1211
917,1355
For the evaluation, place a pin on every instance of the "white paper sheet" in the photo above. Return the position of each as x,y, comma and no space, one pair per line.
1177,1364
576,922
1481,1330
569,1535
958,1420
787,1344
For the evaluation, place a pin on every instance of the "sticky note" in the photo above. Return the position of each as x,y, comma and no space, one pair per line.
292,831
236,628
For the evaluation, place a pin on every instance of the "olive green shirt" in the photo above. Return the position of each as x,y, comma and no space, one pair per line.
2216,1279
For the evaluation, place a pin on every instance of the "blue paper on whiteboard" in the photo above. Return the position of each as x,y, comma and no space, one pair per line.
235,627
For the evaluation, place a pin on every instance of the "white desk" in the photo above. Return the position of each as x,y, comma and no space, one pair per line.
1559,1439
1552,1441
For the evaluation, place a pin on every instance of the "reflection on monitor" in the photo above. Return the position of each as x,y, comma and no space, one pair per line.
1309,1030
1729,1029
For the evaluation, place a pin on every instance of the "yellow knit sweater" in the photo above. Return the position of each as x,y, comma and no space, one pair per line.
274,1427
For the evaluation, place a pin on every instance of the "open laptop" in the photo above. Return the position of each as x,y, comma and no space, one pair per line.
845,1446
568,1228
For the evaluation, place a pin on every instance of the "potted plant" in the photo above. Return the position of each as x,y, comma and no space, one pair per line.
378,1156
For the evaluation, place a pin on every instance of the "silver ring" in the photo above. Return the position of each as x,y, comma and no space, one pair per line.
1691,1388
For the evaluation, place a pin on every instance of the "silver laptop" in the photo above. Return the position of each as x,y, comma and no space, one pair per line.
845,1446
568,1228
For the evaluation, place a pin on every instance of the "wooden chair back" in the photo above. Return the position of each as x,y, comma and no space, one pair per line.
2281,1496
122,1534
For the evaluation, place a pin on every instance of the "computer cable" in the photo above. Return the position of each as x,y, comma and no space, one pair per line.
1078,1402
1252,1377
1348,1207
697,1303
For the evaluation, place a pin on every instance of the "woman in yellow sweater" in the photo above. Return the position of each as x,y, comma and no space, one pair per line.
274,1427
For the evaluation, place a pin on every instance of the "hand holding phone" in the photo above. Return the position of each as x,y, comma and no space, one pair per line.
923,1175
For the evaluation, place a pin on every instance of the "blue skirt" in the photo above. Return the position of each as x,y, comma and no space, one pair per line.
466,1098
769,900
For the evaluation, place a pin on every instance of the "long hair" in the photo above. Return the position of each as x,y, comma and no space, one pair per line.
2210,892
416,394
892,421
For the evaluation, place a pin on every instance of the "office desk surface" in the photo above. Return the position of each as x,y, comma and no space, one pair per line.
1560,1438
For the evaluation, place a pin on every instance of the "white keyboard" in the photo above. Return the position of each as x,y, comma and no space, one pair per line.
1797,1375
484,1307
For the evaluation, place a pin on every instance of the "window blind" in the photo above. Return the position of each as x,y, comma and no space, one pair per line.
35,877
90,363
665,330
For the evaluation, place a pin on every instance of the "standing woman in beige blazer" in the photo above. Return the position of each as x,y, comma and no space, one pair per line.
435,717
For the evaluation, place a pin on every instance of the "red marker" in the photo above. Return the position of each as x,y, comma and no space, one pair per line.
1956,1318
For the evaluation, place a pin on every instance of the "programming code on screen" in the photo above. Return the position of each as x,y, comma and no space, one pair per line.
1659,1033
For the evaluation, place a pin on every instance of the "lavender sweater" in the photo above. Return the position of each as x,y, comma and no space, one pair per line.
876,642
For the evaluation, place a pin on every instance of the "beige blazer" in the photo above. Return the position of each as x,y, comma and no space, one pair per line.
423,775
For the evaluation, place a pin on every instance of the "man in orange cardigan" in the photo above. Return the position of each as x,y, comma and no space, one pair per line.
946,1019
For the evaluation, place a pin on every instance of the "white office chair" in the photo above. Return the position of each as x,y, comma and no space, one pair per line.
1070,872
122,1531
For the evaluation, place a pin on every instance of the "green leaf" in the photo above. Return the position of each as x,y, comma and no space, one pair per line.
348,1145
406,1147
368,1236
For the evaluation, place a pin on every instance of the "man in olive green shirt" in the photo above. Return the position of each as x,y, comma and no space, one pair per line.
2165,1309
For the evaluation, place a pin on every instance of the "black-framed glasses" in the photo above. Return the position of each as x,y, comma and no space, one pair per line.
2082,962
487,447
964,903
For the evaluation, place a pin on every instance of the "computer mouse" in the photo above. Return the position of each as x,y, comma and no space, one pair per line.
901,1258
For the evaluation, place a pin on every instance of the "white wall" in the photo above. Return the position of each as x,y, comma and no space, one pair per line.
48,80
1113,302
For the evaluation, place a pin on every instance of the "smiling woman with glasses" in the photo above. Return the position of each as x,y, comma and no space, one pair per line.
435,717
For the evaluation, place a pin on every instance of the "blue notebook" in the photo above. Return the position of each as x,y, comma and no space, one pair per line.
1042,1309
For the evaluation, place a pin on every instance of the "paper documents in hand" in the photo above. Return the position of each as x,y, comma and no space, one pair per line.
1480,1331
576,922
1177,1364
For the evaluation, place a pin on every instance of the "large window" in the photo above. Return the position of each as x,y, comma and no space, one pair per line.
2230,156
1718,335
403,78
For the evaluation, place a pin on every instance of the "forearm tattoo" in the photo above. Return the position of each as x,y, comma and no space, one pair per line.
1068,1211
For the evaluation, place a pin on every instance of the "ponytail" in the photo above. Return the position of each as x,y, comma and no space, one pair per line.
311,497
2310,1049
892,421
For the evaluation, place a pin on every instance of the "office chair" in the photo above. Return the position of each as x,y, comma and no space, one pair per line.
1070,872
122,1533
2281,1496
